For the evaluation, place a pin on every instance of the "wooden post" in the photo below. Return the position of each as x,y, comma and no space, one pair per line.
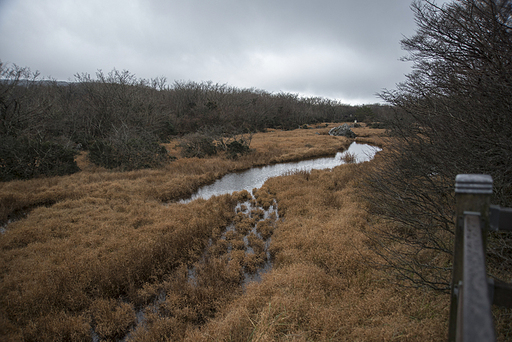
472,193
476,323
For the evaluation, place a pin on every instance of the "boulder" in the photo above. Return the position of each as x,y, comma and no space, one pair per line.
342,131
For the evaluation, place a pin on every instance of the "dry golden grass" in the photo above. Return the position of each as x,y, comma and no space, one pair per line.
320,287
99,247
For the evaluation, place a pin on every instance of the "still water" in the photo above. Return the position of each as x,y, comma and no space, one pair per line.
255,177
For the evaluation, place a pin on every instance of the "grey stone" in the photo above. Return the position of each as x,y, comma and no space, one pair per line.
342,131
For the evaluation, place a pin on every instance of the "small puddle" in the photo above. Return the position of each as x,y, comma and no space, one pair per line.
247,239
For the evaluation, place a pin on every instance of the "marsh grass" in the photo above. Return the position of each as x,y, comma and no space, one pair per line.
320,287
349,158
112,253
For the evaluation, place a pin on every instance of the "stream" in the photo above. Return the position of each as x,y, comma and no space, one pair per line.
256,177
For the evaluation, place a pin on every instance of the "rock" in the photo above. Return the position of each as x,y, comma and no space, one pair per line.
343,130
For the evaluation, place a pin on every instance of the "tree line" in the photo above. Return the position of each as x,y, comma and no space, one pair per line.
121,119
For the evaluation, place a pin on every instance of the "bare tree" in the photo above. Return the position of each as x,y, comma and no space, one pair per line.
453,115
18,107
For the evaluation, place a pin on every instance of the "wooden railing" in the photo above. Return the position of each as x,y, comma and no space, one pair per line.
472,292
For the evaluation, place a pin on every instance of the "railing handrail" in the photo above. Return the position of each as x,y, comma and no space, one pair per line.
472,293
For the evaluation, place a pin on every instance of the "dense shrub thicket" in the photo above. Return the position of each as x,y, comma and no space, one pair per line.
22,158
453,116
198,145
237,148
119,118
131,154
208,142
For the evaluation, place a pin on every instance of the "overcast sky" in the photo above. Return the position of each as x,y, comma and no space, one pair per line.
346,50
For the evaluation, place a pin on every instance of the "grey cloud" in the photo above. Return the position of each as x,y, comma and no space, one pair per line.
331,48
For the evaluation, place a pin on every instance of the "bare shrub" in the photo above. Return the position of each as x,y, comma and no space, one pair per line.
198,145
22,158
128,152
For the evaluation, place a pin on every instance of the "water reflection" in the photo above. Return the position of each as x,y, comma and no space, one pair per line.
256,177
